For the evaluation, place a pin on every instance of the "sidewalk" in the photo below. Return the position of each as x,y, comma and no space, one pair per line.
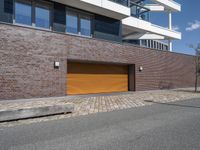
89,104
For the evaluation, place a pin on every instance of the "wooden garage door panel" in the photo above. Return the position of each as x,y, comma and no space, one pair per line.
92,78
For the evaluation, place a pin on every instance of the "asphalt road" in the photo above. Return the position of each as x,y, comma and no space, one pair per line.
156,127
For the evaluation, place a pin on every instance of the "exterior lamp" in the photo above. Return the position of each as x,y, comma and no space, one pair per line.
140,68
56,64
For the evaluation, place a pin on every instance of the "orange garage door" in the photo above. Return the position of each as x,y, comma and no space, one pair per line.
87,78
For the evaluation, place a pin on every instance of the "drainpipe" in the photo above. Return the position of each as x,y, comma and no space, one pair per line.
170,28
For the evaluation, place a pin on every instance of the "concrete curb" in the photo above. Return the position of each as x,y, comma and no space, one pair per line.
11,115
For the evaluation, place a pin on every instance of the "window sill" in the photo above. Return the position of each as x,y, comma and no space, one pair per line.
32,27
68,33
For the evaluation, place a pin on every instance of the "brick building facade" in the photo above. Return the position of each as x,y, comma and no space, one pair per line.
27,59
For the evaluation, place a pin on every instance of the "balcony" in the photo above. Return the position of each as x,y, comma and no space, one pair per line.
139,11
133,25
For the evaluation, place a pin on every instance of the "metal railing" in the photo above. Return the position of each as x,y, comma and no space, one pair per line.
137,8
165,28
139,11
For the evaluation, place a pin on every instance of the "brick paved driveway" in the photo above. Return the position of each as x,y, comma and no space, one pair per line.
89,104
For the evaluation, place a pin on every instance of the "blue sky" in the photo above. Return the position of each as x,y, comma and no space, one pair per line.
187,21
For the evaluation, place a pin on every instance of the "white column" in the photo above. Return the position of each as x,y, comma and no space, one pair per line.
170,28
170,45
141,43
170,20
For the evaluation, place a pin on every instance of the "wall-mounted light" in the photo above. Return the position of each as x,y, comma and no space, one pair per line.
56,64
140,68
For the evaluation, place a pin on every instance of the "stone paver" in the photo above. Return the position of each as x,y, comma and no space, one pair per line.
91,104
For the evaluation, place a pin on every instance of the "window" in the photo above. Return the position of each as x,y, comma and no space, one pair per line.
164,47
42,17
23,13
78,22
151,44
154,44
107,25
157,45
144,43
85,26
160,46
72,23
37,13
148,43
33,13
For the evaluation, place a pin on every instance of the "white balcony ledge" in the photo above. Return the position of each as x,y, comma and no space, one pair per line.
143,36
155,7
132,24
102,7
169,5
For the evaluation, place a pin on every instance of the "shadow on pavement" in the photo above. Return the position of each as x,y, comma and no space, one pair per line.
187,91
173,104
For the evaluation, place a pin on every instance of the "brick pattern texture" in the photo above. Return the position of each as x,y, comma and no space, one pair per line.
27,62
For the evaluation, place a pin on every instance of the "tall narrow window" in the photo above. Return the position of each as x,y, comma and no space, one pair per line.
23,13
72,22
85,26
42,17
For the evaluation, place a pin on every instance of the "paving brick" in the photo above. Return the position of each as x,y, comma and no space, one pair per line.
90,104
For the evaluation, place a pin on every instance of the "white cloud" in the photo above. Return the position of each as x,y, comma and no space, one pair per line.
193,25
176,28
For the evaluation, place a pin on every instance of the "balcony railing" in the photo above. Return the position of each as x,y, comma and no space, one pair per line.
165,28
138,10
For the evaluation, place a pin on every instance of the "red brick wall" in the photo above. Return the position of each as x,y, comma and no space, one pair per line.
27,57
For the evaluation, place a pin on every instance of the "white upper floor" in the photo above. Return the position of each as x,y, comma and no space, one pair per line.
103,7
169,5
122,10
116,20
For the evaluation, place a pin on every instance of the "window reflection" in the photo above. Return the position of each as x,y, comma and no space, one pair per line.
85,26
42,17
23,13
71,23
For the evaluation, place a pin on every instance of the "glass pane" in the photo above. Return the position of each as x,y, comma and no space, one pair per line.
72,23
23,13
42,17
85,26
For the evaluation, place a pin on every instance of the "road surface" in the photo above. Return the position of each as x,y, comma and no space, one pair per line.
173,126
